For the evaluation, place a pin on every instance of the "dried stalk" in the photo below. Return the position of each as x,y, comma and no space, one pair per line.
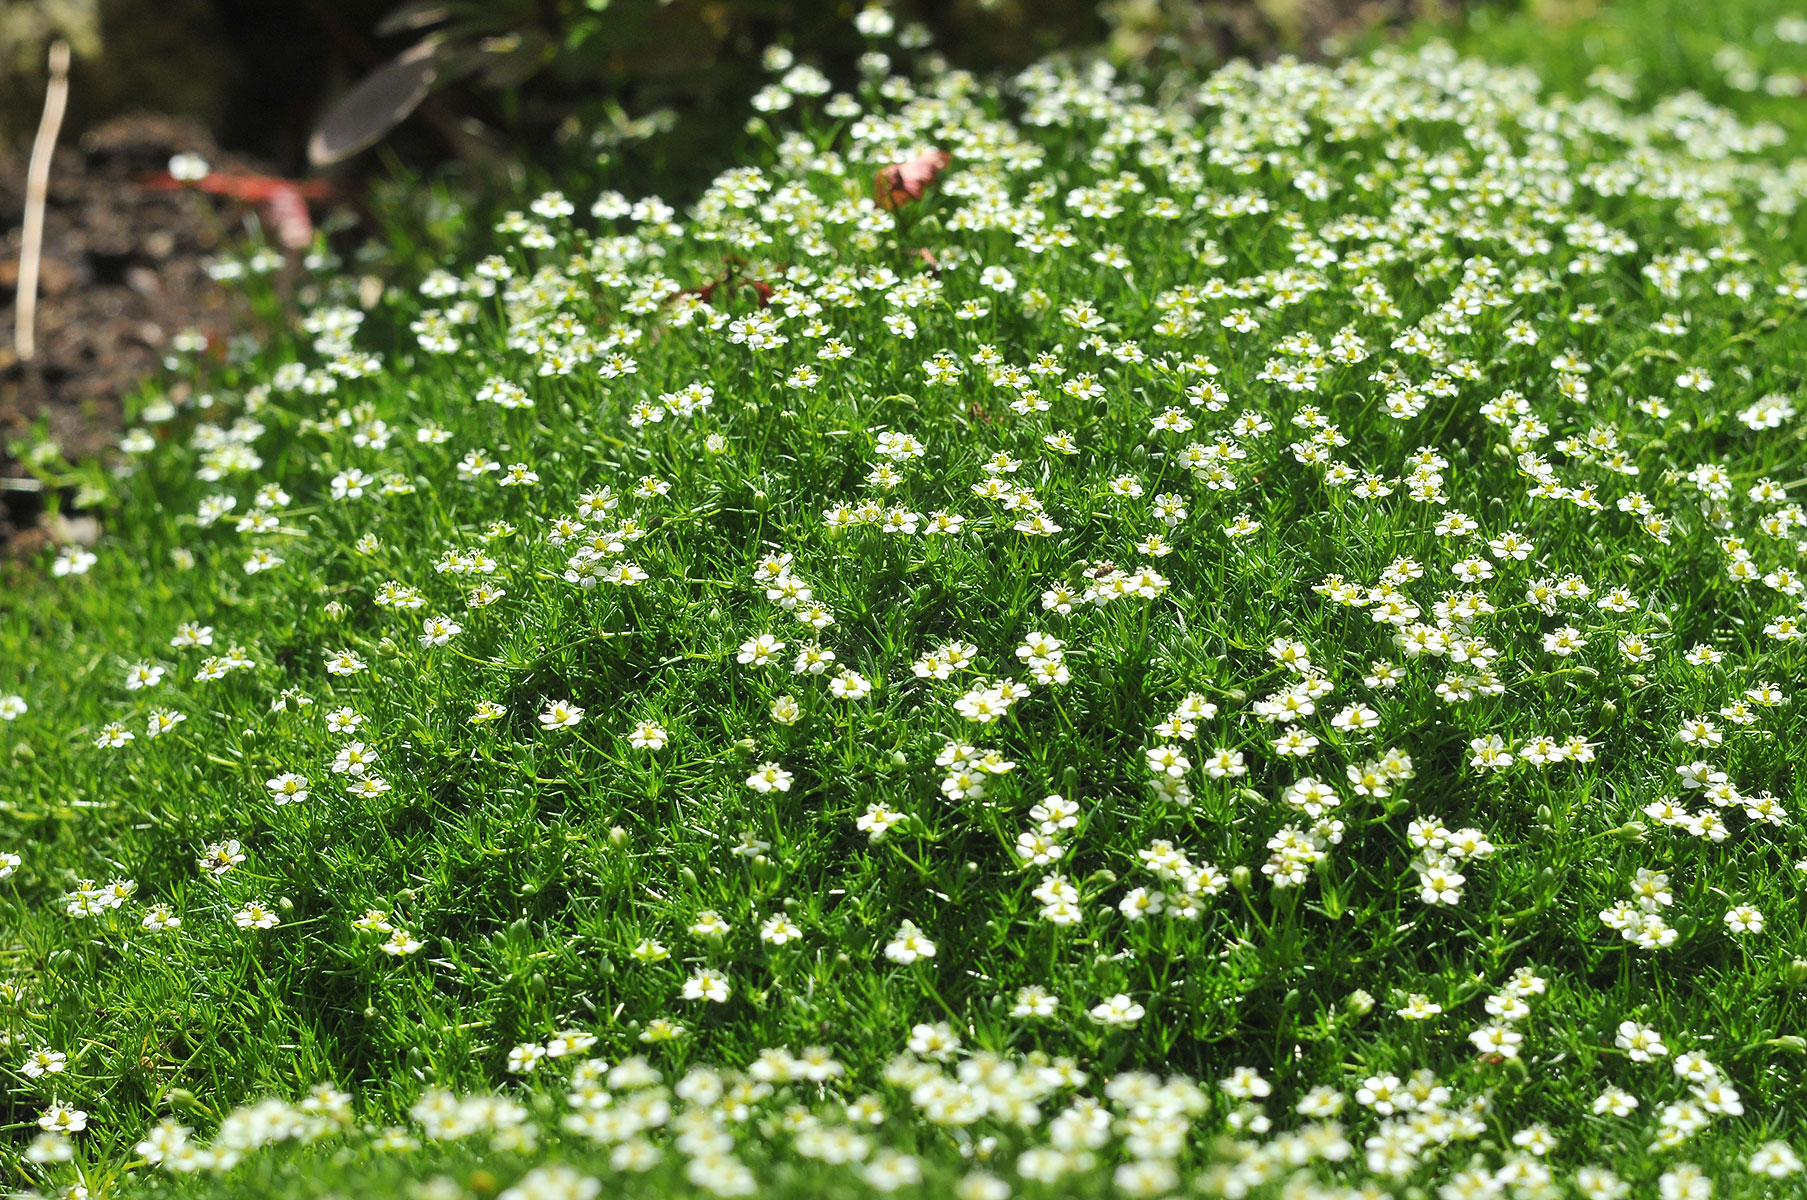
37,189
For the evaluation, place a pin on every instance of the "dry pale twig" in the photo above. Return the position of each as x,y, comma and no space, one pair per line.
37,187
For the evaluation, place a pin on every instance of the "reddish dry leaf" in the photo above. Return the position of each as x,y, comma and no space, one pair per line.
240,185
284,201
287,211
902,183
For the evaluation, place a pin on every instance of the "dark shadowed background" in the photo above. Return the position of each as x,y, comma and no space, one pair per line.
257,73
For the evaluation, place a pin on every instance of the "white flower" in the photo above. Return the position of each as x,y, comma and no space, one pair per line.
42,1062
850,685
769,777
188,167
1684,1181
707,984
143,675
878,820
1034,1002
72,562
287,788
343,662
909,945
1775,1159
159,919
49,1148
1490,753
437,631
63,1118
1356,718
555,1182
1497,1039
1245,1083
162,721
221,857
1640,1042
874,22
1564,642
525,1058
571,1041
1118,1010
400,944
1744,918
1168,760
759,651
560,714
647,735
255,916
164,1138
779,929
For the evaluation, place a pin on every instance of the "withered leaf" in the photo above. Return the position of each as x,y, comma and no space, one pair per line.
901,183
420,14
380,102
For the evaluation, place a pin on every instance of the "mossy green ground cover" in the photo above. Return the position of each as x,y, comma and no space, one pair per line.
1243,641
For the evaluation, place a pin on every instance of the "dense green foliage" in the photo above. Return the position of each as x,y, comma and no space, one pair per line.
1241,641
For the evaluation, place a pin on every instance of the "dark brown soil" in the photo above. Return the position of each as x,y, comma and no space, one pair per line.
123,271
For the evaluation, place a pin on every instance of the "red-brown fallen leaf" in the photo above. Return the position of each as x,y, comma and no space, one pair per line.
901,183
762,290
240,185
284,200
287,211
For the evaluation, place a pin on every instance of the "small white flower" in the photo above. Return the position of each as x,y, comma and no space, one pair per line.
400,944
44,1061
707,984
1118,1010
560,714
909,945
648,735
255,916
1744,918
287,788
143,675
525,1058
437,631
769,777
188,167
